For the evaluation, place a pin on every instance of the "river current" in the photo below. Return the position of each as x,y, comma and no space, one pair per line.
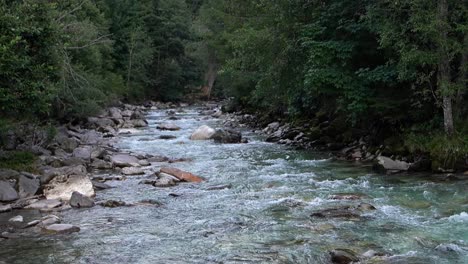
264,217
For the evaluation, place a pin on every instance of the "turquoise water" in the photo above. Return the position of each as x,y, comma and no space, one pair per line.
264,217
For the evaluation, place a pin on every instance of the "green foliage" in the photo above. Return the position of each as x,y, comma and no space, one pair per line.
19,161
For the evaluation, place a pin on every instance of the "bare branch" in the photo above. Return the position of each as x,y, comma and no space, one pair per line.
72,11
101,39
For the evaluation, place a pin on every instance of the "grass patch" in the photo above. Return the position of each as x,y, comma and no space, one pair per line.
19,161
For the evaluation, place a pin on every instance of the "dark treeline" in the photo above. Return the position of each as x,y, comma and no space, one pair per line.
67,59
391,72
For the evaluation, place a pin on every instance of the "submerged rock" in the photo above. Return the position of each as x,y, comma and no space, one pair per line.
44,204
167,137
78,200
181,175
112,204
203,133
62,187
60,229
170,127
16,219
343,256
219,187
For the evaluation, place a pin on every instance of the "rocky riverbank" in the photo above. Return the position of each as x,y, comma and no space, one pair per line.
321,138
66,168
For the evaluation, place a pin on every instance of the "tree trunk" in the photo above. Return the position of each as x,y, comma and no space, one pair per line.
444,79
462,76
210,75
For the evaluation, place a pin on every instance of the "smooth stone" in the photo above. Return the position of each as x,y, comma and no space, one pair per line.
124,160
181,175
7,192
50,220
61,229
45,204
132,171
227,136
165,180
78,200
17,219
343,256
203,133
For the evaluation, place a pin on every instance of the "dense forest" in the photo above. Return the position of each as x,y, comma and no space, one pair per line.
388,72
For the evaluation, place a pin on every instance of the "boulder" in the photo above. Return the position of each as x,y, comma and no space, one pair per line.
44,204
7,174
112,204
101,164
78,200
49,220
139,123
62,187
124,160
167,137
170,127
5,208
203,133
385,164
27,187
132,171
49,173
100,185
60,229
165,180
87,152
7,192
68,144
115,113
16,219
227,136
181,175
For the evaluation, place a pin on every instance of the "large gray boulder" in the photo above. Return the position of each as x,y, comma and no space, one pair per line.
7,192
386,164
28,187
203,133
87,152
227,136
79,200
62,187
124,160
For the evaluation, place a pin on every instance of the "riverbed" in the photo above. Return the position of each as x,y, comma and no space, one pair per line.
263,216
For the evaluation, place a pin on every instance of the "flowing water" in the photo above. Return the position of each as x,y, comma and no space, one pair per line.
264,217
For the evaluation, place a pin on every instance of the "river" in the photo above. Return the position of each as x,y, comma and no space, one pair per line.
264,217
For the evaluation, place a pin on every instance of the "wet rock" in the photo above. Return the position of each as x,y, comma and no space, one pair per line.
385,164
101,164
139,123
346,196
112,204
49,220
16,219
343,256
101,186
227,136
5,208
181,175
62,187
158,159
167,137
124,160
132,171
170,127
7,192
165,180
203,133
78,200
61,229
366,207
27,187
144,163
150,202
219,187
179,160
44,204
342,212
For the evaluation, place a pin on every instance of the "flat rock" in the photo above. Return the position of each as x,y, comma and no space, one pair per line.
132,171
44,204
5,208
7,192
50,220
100,185
181,175
385,164
62,187
124,160
203,133
101,164
78,200
61,229
165,180
170,127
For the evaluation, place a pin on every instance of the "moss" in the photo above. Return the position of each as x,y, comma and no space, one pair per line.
19,161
